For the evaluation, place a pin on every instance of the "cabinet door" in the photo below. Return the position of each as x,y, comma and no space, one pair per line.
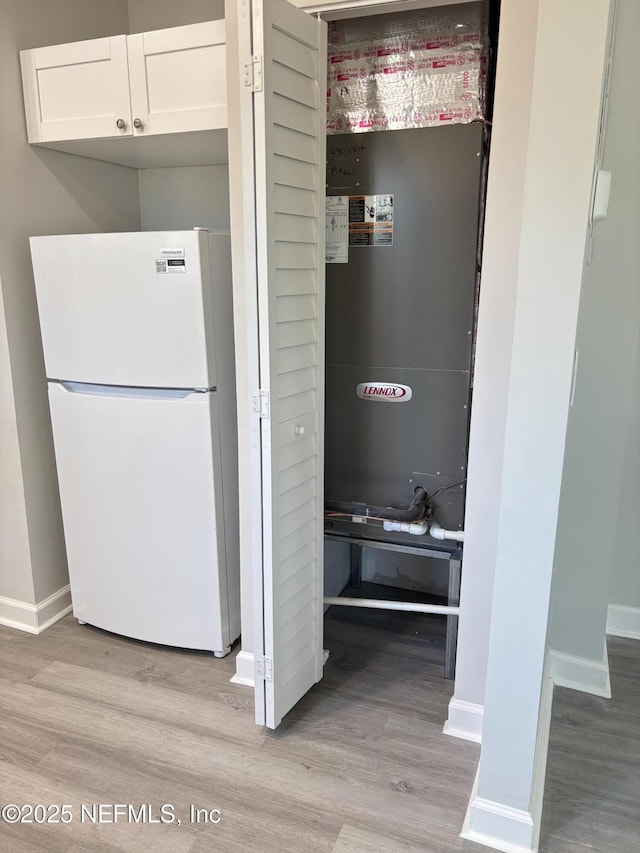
178,79
77,91
289,119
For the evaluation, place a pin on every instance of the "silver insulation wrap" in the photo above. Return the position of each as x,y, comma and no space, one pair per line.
405,70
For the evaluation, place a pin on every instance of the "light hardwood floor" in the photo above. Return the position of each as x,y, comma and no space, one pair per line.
592,791
359,766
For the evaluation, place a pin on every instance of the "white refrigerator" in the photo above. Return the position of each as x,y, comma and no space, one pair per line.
137,332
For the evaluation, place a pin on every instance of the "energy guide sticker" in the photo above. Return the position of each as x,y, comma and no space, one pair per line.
371,220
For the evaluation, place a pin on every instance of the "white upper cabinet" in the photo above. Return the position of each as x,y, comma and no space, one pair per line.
178,79
77,91
125,99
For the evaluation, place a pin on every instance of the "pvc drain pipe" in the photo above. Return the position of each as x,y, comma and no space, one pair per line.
437,532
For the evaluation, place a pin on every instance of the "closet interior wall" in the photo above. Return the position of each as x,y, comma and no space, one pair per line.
404,312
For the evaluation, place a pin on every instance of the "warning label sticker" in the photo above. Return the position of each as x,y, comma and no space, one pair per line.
371,220
169,265
336,233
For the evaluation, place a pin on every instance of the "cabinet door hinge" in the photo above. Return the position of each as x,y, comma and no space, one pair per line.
252,74
260,403
264,668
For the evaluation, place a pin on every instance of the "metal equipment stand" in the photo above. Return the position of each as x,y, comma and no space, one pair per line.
452,552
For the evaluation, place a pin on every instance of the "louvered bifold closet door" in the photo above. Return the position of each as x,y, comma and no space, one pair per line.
289,117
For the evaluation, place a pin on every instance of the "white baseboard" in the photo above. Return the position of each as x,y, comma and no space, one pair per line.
464,720
35,618
497,826
245,673
589,676
623,621
505,828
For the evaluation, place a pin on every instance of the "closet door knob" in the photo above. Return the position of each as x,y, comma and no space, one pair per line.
299,430
121,124
137,122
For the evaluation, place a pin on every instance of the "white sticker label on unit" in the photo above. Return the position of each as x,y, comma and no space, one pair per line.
371,220
170,265
172,253
336,229
384,392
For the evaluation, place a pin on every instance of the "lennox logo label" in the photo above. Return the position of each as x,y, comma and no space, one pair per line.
385,392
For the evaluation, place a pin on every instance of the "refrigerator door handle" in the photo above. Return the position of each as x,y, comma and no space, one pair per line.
65,387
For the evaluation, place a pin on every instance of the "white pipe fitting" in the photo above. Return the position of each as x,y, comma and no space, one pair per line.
437,532
417,528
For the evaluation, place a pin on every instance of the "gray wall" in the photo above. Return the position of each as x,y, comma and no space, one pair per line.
623,146
183,197
158,14
43,192
589,533
625,580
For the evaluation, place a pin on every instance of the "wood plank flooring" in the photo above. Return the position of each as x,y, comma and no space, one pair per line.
592,791
359,766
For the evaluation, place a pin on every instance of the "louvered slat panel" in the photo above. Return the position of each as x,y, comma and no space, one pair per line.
294,256
300,26
296,562
288,113
296,334
298,430
295,145
294,283
297,518
290,544
297,623
289,479
293,85
295,407
296,497
290,228
291,588
288,527
295,358
297,383
290,206
294,200
296,452
293,54
294,659
294,173
290,309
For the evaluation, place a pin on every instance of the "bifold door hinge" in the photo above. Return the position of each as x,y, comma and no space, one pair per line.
264,668
260,403
252,74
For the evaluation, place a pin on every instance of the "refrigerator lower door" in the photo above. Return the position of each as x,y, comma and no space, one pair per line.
142,510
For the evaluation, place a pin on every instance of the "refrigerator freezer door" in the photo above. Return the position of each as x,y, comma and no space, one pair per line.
126,309
142,513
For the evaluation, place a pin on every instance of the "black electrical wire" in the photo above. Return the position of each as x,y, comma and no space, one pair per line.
418,508
445,489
